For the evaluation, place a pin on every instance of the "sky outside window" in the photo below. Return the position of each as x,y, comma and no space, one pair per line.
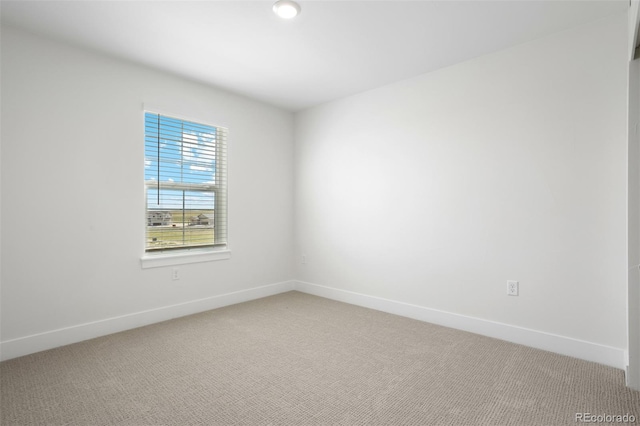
180,152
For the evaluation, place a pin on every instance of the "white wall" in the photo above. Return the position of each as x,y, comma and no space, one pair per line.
432,191
73,199
436,190
633,291
633,202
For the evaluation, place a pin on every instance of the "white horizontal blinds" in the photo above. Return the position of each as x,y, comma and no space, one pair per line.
185,178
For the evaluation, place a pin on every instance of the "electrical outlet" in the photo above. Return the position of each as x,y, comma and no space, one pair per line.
175,274
304,259
512,288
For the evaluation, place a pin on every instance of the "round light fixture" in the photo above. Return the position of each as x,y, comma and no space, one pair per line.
286,9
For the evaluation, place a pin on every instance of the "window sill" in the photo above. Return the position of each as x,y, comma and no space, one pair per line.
171,259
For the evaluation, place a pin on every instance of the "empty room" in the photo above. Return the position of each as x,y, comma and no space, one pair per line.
319,212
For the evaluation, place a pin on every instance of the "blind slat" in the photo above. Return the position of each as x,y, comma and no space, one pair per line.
185,177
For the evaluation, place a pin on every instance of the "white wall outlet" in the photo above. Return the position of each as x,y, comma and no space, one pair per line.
175,274
304,259
512,288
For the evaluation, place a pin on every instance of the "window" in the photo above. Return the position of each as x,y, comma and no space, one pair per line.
185,167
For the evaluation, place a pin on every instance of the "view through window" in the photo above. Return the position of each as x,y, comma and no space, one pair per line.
185,181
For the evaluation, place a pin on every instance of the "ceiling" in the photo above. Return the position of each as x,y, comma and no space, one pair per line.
331,50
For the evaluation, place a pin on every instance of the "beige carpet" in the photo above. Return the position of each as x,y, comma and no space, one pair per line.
296,359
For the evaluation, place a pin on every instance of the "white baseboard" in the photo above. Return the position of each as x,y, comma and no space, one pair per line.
581,349
589,351
65,336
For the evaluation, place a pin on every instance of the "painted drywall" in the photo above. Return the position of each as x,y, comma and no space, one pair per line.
436,190
633,206
73,198
633,201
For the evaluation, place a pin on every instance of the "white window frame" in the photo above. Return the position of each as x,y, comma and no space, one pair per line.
153,259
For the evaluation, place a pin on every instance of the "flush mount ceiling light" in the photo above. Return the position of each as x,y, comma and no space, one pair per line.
286,9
